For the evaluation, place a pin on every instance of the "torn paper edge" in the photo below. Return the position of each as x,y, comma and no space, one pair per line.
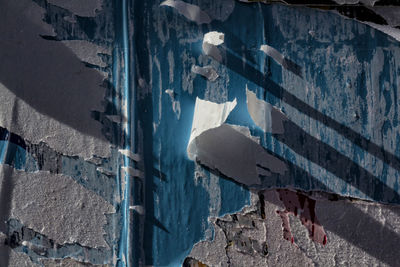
215,116
189,11
264,115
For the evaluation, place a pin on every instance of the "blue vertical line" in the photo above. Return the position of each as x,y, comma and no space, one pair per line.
127,138
121,73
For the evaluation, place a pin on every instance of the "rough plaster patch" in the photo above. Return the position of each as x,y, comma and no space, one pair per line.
12,258
35,127
54,101
68,262
58,207
239,240
360,234
87,51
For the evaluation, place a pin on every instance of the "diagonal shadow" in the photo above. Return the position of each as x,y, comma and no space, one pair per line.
349,222
47,75
254,75
364,231
341,166
317,151
344,224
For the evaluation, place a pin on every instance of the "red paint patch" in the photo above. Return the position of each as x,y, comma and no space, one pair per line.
300,205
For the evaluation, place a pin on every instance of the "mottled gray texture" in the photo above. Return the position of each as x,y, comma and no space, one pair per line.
239,240
17,259
54,100
68,262
57,207
87,51
84,8
359,234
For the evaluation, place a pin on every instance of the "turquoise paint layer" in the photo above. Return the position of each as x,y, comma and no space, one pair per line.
332,139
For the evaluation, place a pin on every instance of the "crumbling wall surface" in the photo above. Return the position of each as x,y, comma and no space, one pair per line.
358,233
277,100
59,191
199,132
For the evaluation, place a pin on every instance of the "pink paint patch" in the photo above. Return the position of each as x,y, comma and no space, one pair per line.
303,206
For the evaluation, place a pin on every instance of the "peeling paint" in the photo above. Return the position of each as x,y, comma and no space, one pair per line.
191,12
69,213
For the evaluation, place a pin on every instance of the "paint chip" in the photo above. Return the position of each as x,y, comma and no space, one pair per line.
191,12
206,71
264,115
211,41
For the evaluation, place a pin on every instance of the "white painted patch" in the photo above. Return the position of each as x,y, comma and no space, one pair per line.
207,115
191,12
264,115
211,41
87,51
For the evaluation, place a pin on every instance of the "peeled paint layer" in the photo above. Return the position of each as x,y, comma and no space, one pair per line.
360,233
191,12
211,41
207,71
87,51
207,115
236,156
47,93
56,206
36,127
264,115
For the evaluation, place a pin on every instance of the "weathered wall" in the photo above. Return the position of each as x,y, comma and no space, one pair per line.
218,133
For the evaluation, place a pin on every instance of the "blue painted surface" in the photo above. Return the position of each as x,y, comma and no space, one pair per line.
342,135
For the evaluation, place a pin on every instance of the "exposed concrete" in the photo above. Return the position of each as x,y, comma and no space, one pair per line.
57,207
68,262
359,234
47,104
87,51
